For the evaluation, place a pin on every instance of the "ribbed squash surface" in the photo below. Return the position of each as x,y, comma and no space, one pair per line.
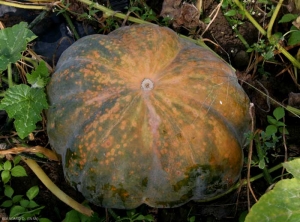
143,116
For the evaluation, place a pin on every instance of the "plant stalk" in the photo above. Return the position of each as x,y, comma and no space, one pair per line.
71,25
251,19
17,5
55,190
273,18
32,61
9,75
38,19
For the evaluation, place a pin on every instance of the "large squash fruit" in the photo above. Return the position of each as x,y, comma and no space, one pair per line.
143,116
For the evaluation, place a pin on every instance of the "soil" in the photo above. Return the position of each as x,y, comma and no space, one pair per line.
54,38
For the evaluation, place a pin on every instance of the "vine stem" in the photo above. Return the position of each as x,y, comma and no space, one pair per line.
31,61
273,18
55,190
71,25
251,19
17,5
9,75
268,33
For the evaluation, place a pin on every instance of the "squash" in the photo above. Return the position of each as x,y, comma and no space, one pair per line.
143,116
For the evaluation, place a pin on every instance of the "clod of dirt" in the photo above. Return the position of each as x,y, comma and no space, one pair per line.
181,15
294,100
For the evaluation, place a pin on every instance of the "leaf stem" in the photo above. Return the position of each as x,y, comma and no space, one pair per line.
273,18
17,5
251,19
9,75
242,39
71,25
55,190
37,20
31,60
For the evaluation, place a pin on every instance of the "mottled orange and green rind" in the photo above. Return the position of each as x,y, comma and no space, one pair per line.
122,146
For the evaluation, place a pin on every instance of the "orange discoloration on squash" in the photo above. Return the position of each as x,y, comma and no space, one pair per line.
162,144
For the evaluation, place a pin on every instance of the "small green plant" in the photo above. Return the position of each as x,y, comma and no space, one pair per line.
20,207
142,10
10,169
267,140
22,102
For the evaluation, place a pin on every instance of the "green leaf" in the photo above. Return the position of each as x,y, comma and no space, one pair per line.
271,120
268,55
39,77
24,104
16,211
140,217
5,176
280,204
286,132
242,216
24,203
8,191
288,18
32,192
16,160
13,41
72,216
192,219
33,212
18,171
271,129
293,167
280,124
150,218
32,204
7,203
17,198
7,165
278,113
231,12
44,220
294,38
262,164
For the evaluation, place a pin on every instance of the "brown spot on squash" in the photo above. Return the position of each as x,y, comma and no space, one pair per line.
108,142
